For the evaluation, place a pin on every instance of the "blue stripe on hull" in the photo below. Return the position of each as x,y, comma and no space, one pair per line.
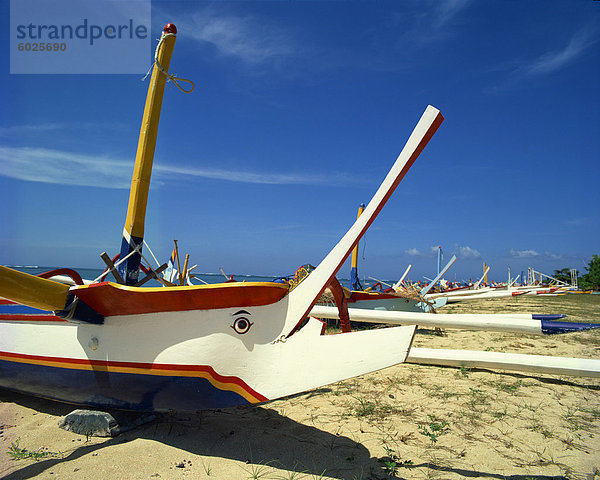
18,309
124,391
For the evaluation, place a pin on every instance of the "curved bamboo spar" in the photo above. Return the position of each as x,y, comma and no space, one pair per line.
133,233
304,296
32,291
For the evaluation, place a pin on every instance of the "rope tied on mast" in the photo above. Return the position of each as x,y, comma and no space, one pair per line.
170,77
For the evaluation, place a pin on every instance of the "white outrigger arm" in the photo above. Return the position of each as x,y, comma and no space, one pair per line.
425,290
401,281
478,282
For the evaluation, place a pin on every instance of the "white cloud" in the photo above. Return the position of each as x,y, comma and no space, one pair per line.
557,59
425,23
249,38
413,252
249,177
67,168
446,10
38,128
553,256
467,252
64,168
35,128
524,253
583,221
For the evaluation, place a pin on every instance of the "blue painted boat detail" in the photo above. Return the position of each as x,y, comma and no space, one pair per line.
540,316
130,268
18,309
354,281
551,328
125,391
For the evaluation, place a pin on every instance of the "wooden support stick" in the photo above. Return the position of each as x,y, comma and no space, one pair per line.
151,275
111,267
177,258
183,274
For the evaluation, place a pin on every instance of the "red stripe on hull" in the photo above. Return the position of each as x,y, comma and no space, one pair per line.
31,318
110,299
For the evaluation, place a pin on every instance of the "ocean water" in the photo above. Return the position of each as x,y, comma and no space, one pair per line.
93,274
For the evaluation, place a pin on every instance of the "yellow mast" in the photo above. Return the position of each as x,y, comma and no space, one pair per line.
354,267
133,233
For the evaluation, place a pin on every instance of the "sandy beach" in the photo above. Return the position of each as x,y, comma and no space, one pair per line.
407,421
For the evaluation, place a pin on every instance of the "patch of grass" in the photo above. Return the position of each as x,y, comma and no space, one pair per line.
500,414
257,470
572,420
539,427
473,416
319,476
434,429
346,388
506,387
17,453
438,391
477,397
206,467
592,412
545,458
374,410
392,462
365,408
293,475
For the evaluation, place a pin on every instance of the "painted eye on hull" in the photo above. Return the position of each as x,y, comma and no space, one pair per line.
241,325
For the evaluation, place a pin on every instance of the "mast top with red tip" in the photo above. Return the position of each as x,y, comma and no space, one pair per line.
170,28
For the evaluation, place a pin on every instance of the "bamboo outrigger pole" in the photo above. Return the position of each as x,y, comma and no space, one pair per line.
33,291
133,233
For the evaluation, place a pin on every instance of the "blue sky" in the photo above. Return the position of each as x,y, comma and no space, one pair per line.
299,111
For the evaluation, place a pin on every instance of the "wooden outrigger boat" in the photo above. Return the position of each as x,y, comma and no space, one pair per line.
394,298
121,345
